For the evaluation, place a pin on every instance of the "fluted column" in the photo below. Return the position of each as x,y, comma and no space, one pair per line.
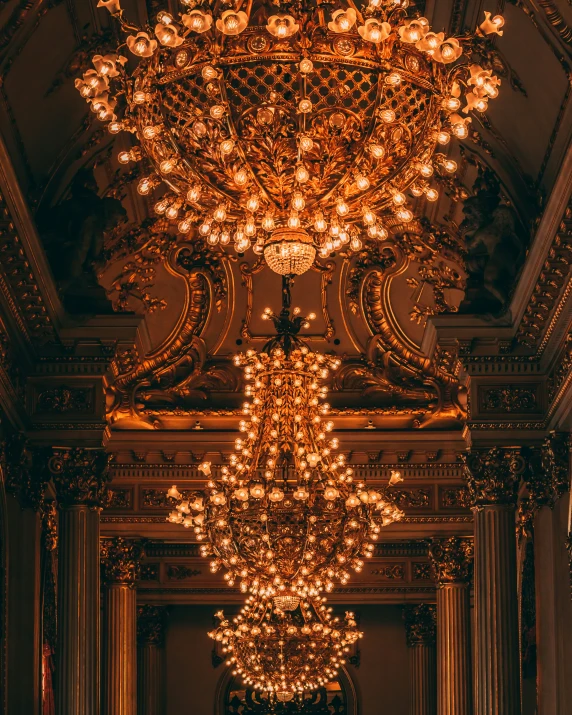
151,622
120,566
452,560
493,478
80,476
420,632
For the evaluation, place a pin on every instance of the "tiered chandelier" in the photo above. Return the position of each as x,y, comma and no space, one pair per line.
286,652
286,517
290,126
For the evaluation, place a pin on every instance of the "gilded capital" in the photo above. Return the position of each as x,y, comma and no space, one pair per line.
556,461
81,476
151,623
493,475
25,472
452,559
121,560
420,624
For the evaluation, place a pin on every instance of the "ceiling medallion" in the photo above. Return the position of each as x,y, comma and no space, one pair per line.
286,650
286,518
318,118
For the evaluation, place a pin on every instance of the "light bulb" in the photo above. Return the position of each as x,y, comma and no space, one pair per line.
432,194
341,207
302,174
404,215
443,138
144,186
124,157
451,103
194,193
184,226
425,170
450,166
399,198
217,111
268,222
140,97
377,151
167,166
387,116
208,72
362,182
306,65
320,223
253,203
220,213
305,106
172,212
306,143
293,221
240,177
355,244
393,79
298,203
226,146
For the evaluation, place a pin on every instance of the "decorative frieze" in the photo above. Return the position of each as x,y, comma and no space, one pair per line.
81,476
421,571
504,399
60,400
177,572
452,559
121,560
391,571
420,624
454,498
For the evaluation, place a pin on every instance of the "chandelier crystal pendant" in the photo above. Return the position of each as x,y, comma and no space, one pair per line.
286,517
293,128
286,651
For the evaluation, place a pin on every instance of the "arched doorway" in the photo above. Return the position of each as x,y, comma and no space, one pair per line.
337,698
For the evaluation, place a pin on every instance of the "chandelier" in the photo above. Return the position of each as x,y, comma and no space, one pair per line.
286,651
290,126
286,517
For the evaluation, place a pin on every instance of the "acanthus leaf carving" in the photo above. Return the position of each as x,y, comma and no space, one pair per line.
81,476
493,475
121,560
452,559
420,624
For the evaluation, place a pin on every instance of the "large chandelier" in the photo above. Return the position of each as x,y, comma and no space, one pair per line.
286,517
286,652
288,125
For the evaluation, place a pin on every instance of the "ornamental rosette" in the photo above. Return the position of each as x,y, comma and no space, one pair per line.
244,149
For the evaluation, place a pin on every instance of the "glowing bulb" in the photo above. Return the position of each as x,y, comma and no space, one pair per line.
306,143
432,194
355,244
342,208
443,138
393,79
220,213
226,146
208,72
451,104
217,111
399,198
167,166
268,222
298,203
305,106
253,203
240,177
293,221
425,170
302,174
376,150
194,193
450,166
362,182
306,65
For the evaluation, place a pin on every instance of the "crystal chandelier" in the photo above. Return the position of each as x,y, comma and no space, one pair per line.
286,651
286,517
290,126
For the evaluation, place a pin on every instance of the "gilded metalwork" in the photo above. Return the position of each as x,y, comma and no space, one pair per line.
297,122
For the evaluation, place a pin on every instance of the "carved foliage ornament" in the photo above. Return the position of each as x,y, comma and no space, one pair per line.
151,623
452,559
120,560
81,476
25,472
420,624
493,474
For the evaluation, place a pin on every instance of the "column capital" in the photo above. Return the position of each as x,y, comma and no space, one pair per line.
420,624
121,560
81,476
452,559
151,623
25,469
493,475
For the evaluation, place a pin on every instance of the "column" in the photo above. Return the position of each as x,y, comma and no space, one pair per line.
452,561
493,478
151,621
80,477
420,632
120,567
25,480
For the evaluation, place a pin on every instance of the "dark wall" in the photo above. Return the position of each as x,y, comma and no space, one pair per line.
381,680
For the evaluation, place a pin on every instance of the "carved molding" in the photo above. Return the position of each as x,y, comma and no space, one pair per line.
121,560
505,399
493,475
63,399
452,559
151,625
81,476
420,624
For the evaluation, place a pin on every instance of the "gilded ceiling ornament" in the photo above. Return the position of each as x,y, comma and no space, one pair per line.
151,625
420,624
81,476
295,133
121,560
286,649
452,559
286,516
493,475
